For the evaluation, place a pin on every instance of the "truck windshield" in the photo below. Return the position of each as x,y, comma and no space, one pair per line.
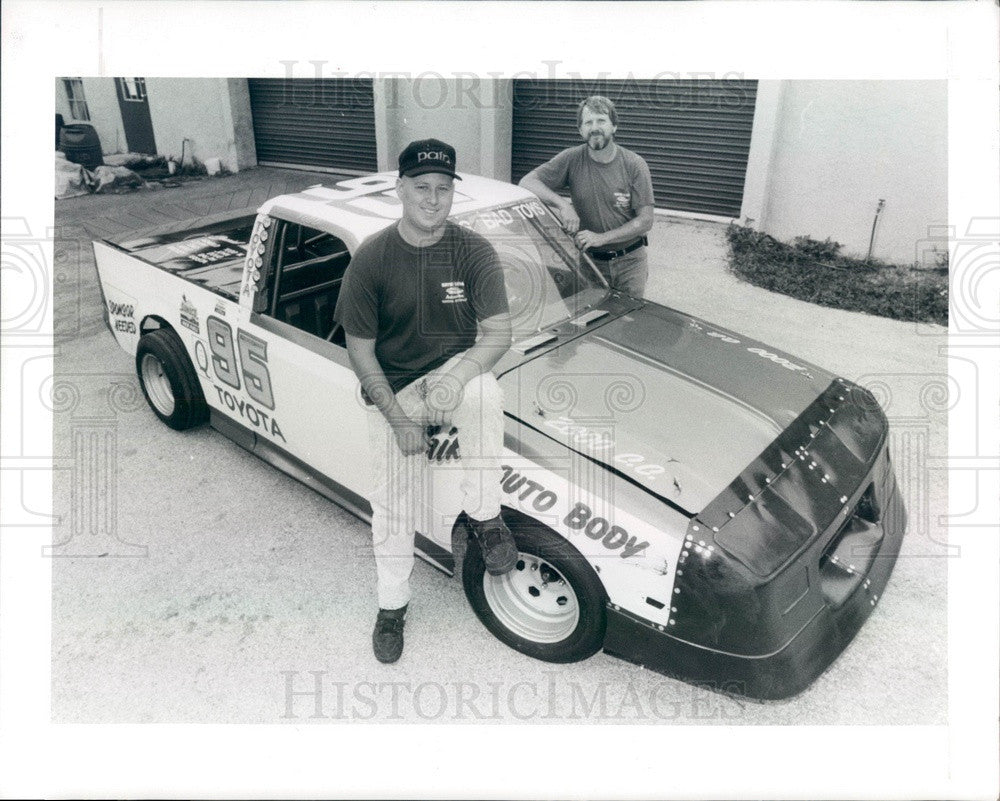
547,278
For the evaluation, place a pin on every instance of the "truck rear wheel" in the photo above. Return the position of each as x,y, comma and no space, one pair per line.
551,606
168,380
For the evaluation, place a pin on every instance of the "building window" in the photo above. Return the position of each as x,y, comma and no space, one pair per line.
77,102
134,89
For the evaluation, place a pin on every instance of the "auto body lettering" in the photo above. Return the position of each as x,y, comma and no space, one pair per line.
612,537
250,413
545,500
596,528
580,517
530,487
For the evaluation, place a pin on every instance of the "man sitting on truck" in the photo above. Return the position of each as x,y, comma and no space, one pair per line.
413,300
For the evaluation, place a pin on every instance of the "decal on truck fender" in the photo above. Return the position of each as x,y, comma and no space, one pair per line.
251,365
257,418
122,316
579,517
496,218
254,258
189,315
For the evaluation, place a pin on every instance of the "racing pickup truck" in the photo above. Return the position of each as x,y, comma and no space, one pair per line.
682,496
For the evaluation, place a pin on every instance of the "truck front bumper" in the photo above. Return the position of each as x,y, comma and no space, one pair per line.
764,622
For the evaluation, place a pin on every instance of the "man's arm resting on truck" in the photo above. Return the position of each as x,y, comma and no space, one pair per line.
445,394
411,436
640,225
570,219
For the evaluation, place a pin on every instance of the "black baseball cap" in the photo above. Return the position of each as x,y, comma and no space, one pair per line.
428,155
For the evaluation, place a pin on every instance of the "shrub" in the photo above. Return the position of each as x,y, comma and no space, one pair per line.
816,271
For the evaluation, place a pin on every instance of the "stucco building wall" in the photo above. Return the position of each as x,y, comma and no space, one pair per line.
838,147
473,115
202,111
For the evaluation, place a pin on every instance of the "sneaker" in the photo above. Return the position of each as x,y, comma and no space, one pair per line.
387,639
497,543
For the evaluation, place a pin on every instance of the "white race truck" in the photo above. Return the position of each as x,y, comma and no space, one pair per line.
682,496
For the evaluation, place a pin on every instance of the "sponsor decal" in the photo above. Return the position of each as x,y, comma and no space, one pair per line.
762,352
579,518
444,447
454,292
122,315
774,357
220,309
257,418
497,218
591,441
205,250
240,362
254,255
580,436
189,315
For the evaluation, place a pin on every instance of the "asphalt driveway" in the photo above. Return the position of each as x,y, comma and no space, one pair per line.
197,584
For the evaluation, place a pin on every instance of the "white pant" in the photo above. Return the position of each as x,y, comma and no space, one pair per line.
401,484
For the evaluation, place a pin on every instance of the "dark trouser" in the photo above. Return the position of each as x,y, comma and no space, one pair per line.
627,273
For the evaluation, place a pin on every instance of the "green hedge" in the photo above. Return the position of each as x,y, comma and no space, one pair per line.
815,271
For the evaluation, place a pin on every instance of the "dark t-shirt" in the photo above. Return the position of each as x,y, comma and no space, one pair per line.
606,196
420,305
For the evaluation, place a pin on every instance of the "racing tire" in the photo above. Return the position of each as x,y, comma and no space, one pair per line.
551,606
168,380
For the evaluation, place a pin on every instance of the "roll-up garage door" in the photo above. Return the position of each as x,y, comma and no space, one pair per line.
324,124
695,135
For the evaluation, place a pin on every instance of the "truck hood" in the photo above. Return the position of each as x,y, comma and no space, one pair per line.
668,401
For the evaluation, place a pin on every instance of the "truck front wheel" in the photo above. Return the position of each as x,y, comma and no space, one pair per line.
168,380
551,606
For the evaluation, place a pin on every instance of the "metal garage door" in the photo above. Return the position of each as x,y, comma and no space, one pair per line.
695,135
324,124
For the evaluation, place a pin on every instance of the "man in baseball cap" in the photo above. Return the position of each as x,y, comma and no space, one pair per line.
413,302
428,155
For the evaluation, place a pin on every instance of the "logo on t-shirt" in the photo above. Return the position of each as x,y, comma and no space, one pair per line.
454,292
623,200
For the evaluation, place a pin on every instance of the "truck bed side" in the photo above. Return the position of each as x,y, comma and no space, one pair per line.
209,253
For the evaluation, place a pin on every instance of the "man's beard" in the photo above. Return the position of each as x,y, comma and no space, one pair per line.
598,141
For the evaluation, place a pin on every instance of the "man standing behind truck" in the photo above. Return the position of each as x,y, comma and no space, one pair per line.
612,194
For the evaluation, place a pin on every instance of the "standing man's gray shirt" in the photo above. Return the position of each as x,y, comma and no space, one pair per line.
612,192
606,196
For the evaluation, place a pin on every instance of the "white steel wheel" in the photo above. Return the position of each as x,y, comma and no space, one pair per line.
551,606
158,389
533,600
168,380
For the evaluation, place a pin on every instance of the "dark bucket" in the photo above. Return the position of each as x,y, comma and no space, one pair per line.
81,145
